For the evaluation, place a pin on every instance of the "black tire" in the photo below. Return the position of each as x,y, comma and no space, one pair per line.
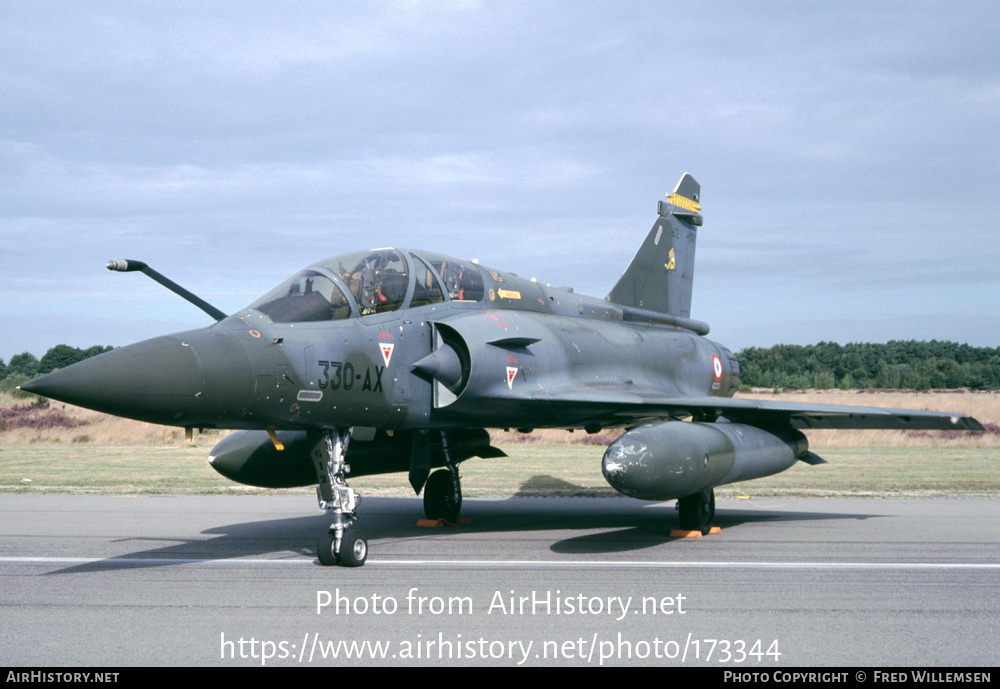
324,550
353,549
697,511
442,497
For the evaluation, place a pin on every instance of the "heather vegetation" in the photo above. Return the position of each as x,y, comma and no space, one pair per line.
890,366
38,415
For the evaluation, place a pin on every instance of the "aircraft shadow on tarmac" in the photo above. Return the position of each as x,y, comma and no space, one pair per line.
612,525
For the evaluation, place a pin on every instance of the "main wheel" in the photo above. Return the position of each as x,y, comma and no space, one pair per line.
698,511
353,549
442,497
324,550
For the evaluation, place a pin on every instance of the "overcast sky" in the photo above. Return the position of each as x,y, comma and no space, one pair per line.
849,155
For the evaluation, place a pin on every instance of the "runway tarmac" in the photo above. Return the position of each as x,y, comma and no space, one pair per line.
92,580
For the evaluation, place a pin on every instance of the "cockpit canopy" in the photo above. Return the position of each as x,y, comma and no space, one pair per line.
371,282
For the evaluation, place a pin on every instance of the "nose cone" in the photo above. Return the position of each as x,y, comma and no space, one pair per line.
175,380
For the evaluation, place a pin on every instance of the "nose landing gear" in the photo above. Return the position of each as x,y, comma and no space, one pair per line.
343,544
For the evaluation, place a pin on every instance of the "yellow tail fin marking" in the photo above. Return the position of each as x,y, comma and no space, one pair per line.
684,202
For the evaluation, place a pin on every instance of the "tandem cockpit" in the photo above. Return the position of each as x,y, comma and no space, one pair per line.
371,282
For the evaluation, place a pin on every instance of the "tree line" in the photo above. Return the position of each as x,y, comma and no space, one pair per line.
26,366
897,364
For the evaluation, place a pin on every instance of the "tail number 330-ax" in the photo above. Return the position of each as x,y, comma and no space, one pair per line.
334,374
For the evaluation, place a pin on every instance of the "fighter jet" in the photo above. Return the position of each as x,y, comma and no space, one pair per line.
392,360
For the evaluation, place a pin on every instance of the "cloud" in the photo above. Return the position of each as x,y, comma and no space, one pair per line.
844,152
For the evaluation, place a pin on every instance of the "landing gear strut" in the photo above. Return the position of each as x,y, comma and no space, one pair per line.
343,544
443,490
697,511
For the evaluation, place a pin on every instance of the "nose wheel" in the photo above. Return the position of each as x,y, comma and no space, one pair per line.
352,553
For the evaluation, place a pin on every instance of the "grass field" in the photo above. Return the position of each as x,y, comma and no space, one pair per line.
65,449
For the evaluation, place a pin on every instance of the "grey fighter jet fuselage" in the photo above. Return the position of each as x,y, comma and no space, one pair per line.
394,360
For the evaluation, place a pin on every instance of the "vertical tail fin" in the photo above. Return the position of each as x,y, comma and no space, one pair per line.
661,274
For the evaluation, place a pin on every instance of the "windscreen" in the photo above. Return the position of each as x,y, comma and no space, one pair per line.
308,296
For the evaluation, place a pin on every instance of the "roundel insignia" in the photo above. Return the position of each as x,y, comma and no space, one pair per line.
717,367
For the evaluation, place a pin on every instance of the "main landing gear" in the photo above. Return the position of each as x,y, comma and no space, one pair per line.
343,544
697,511
443,490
